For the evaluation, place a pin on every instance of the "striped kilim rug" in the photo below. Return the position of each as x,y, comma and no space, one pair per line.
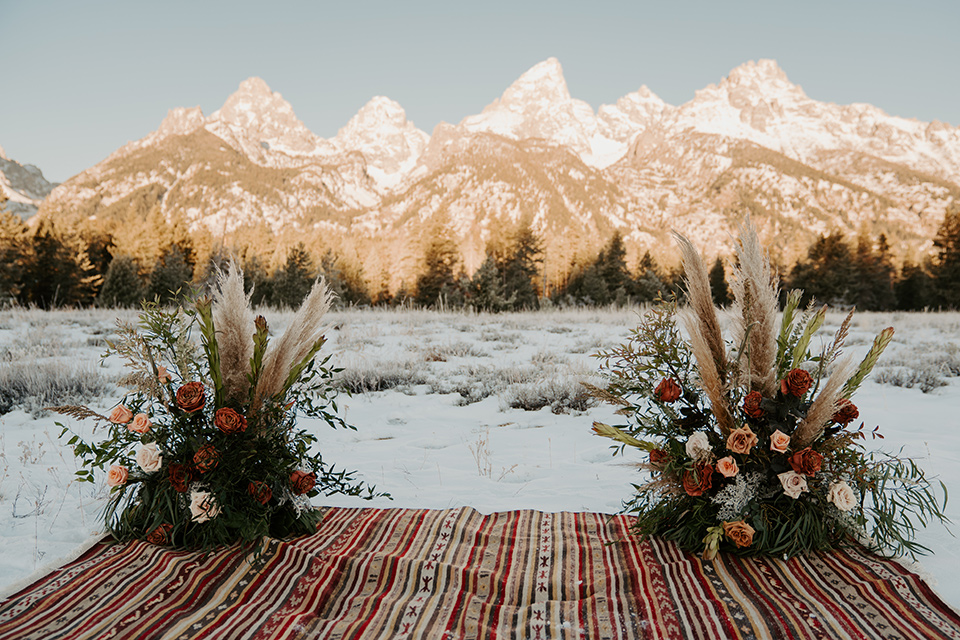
410,573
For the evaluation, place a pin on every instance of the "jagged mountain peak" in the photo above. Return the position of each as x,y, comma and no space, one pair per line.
542,82
181,121
3,154
763,71
390,143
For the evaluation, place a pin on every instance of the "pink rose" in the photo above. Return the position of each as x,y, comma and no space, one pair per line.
793,483
779,441
727,467
121,415
117,476
141,423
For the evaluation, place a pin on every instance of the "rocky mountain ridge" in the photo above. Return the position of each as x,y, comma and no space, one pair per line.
23,185
752,144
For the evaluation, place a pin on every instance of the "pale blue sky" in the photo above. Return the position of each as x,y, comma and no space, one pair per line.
80,79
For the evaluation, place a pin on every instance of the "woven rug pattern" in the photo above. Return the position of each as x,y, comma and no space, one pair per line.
413,573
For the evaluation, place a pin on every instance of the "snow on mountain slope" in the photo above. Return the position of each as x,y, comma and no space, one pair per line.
23,185
390,143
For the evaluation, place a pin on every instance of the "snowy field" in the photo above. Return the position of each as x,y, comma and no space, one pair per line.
452,410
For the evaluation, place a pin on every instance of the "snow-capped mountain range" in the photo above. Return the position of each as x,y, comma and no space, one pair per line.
753,143
23,185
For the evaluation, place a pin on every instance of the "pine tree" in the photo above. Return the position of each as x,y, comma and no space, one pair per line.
871,287
946,266
54,274
828,273
914,288
718,284
486,290
612,269
122,285
171,277
255,279
13,251
649,282
520,269
292,282
437,279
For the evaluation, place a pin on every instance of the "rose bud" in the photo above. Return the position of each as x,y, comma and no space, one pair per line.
846,412
302,482
797,383
751,404
668,390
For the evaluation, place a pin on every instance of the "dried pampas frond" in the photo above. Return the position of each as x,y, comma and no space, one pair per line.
710,378
754,288
233,320
300,338
701,301
824,406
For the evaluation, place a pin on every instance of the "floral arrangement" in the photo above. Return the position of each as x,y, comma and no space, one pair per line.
751,442
205,450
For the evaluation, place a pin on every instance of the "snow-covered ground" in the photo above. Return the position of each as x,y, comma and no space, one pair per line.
443,432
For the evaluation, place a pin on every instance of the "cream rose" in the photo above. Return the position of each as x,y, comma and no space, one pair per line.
779,441
793,483
698,446
117,475
121,415
727,467
149,459
203,506
141,423
842,496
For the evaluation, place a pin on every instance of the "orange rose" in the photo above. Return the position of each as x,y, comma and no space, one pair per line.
846,412
742,440
668,390
727,467
302,482
797,383
190,397
740,532
697,480
229,421
806,461
160,535
121,415
141,423
163,376
751,404
779,441
206,458
180,477
260,491
117,475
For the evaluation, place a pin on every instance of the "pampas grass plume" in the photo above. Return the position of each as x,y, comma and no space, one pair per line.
233,320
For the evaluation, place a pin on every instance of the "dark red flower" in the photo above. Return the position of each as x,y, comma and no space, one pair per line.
751,404
260,491
797,383
697,480
180,477
206,458
659,457
806,461
160,535
191,397
846,412
302,482
668,390
229,421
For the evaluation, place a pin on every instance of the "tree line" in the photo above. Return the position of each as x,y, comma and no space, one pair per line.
41,267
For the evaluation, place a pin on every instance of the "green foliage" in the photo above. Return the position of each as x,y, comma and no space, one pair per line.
849,495
946,270
292,282
171,276
718,284
254,476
